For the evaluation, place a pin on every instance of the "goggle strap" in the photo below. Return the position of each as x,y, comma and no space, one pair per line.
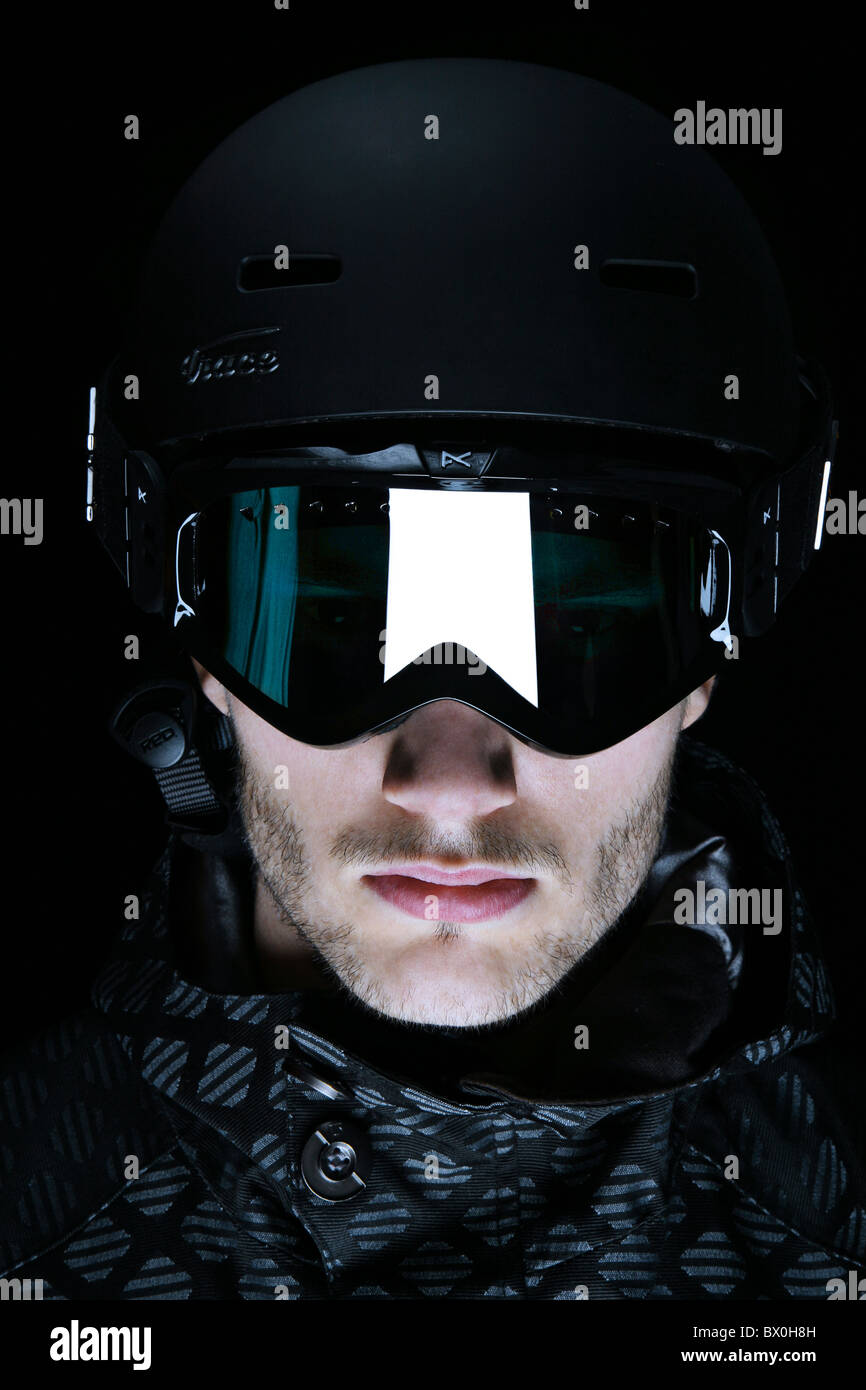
195,809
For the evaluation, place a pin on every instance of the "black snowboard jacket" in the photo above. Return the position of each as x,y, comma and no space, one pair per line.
670,1124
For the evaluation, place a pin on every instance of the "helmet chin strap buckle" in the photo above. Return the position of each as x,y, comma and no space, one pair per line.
161,724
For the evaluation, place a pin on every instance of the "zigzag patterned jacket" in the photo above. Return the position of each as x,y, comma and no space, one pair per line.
698,1148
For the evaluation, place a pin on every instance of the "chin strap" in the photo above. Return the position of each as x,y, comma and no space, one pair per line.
165,725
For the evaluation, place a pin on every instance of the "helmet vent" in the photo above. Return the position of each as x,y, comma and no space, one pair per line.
659,277
260,272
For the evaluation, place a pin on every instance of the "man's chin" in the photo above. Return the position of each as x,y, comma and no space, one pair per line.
439,1009
457,994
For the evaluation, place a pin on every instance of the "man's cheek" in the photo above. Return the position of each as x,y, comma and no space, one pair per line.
629,769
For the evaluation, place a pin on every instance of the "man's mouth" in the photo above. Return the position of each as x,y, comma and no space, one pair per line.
435,895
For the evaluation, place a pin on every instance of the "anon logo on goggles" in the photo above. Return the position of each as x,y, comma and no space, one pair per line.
589,616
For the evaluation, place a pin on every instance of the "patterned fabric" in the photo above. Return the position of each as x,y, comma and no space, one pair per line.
151,1146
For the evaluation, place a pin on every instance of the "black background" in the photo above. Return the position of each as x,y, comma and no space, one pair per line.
83,823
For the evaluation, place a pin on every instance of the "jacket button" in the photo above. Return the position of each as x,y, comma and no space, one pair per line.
336,1161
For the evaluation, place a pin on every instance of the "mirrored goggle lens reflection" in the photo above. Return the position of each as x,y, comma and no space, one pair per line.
323,599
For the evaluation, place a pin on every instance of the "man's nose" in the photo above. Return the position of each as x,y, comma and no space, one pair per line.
451,763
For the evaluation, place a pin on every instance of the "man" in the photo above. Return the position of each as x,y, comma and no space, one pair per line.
459,436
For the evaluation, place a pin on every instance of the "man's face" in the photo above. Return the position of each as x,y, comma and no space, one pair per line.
360,850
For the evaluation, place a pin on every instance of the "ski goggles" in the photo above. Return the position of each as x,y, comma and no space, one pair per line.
335,611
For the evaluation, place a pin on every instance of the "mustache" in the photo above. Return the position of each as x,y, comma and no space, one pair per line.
413,844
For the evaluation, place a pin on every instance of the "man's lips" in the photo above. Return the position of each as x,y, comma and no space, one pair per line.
465,895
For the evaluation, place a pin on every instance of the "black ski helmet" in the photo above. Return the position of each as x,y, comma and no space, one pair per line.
497,261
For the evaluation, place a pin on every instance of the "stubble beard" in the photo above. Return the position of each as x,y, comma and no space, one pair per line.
623,859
